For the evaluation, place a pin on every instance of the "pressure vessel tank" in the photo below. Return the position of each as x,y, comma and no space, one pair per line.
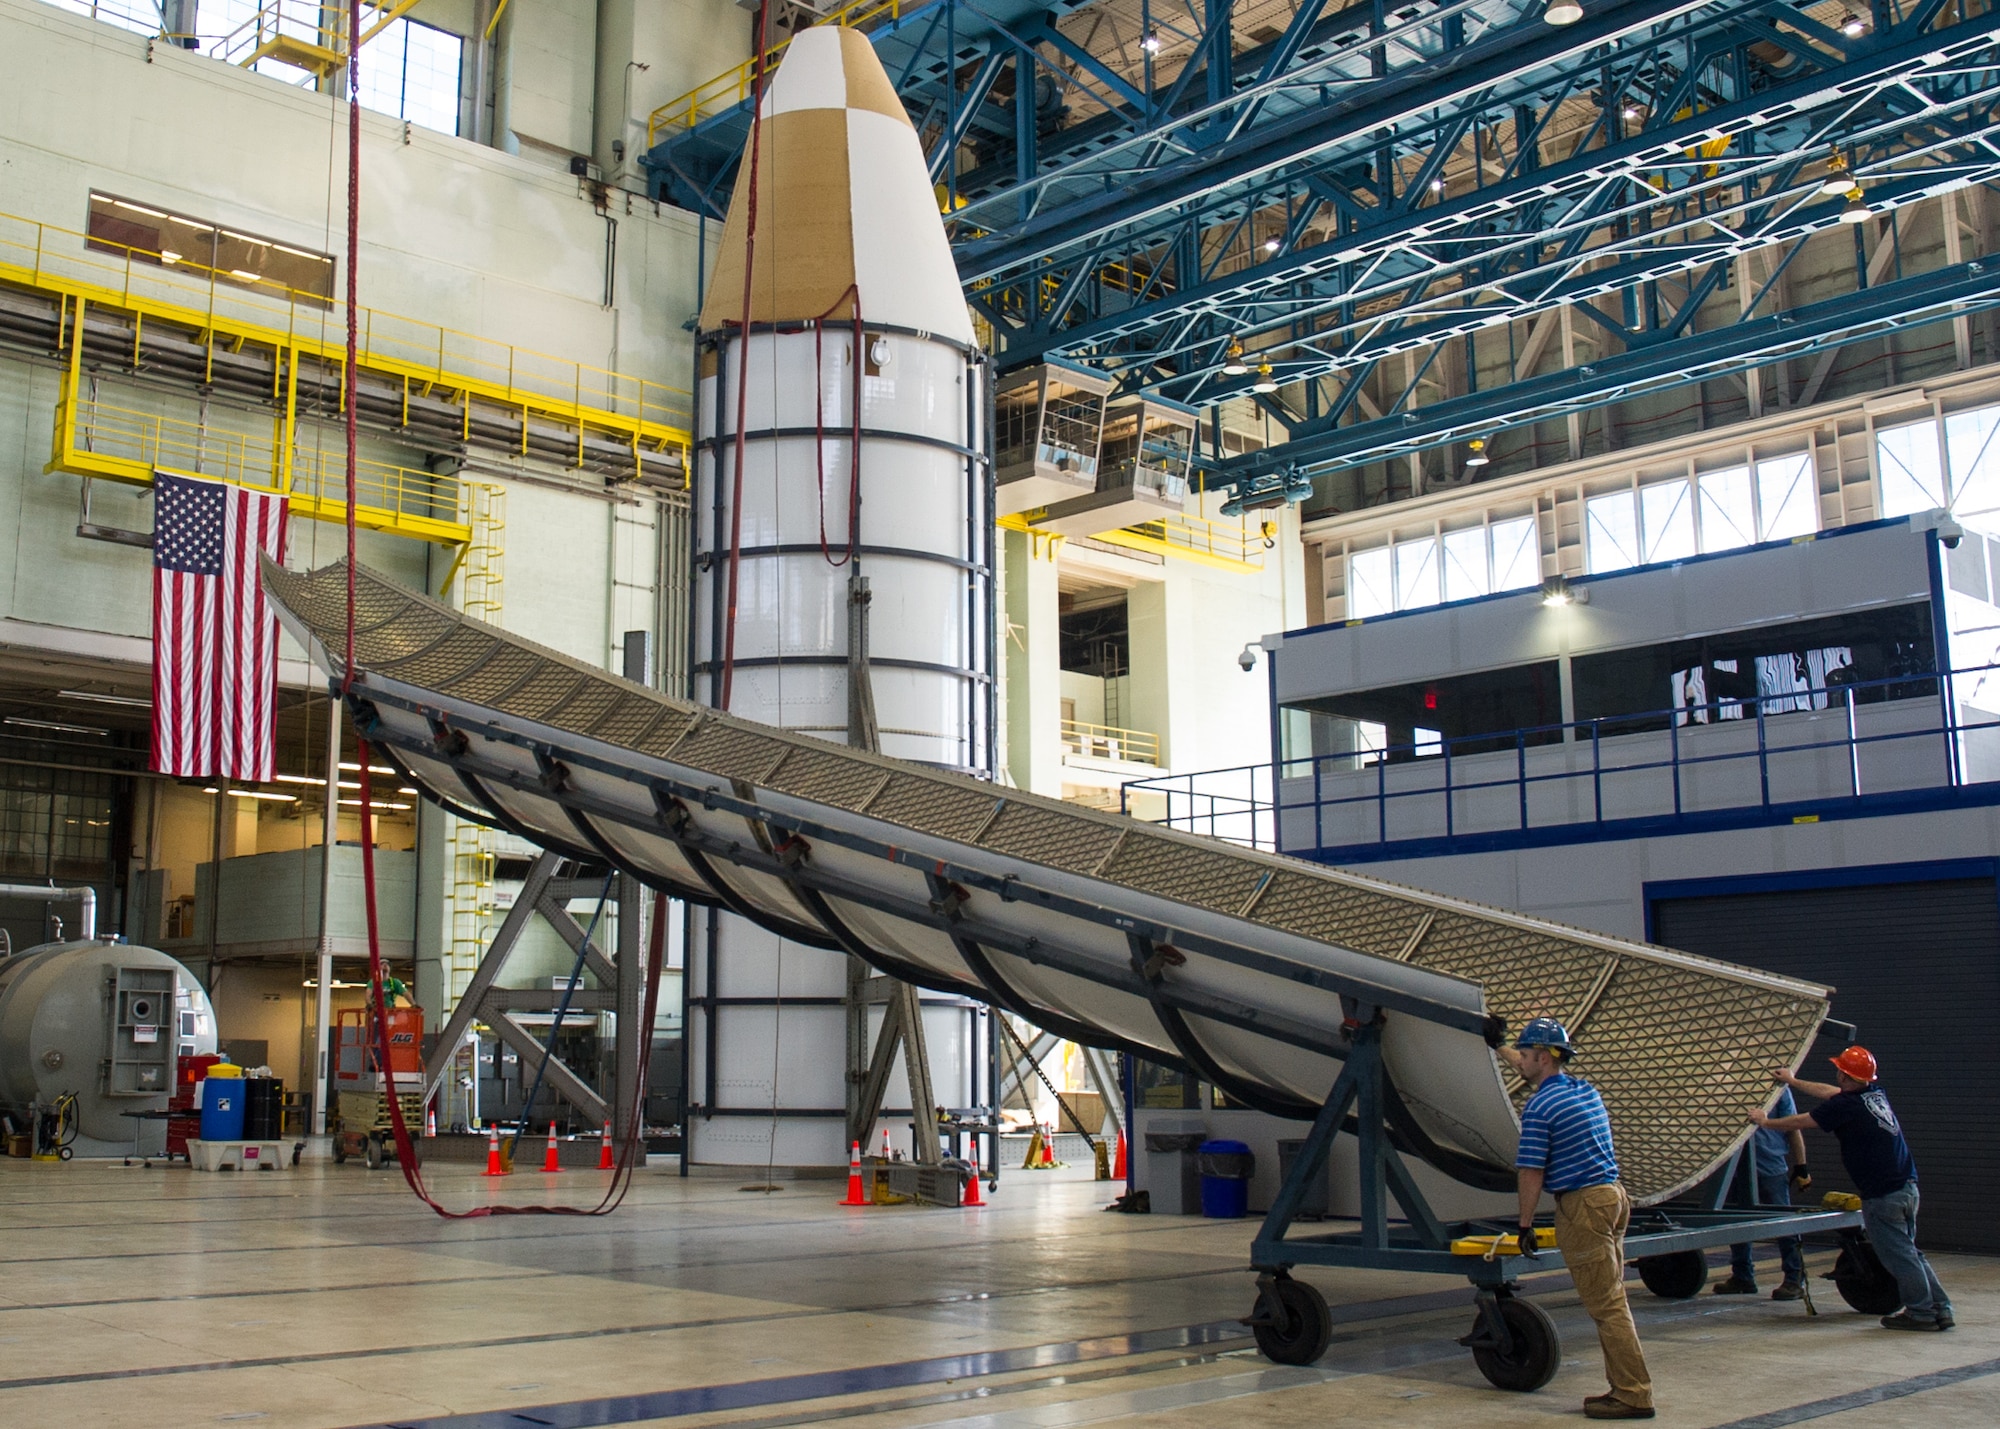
103,1020
843,438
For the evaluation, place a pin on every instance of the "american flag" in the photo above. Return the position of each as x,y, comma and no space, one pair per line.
215,640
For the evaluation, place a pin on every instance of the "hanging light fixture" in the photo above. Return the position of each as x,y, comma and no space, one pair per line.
1233,364
1562,12
1857,208
1839,179
1475,452
1852,25
1151,43
1265,381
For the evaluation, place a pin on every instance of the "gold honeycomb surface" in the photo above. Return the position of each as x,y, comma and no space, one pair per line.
1645,1019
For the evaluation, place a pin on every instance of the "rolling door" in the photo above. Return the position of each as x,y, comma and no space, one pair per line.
1916,966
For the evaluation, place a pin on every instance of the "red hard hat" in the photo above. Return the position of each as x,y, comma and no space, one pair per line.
1857,1062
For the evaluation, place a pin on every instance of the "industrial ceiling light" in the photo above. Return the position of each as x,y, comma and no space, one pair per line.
1272,245
98,698
1265,381
1630,111
1562,12
1839,178
1475,454
1151,44
1852,25
55,725
356,769
377,803
1558,592
1437,186
256,794
1857,208
1233,364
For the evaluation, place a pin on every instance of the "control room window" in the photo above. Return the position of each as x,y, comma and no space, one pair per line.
412,71
194,246
1611,532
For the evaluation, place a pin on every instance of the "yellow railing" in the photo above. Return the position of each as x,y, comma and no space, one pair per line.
1108,741
1227,545
305,33
98,439
228,311
733,86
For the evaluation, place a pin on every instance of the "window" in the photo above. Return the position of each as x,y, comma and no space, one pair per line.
412,71
1416,573
1975,463
1465,564
1666,516
203,249
1911,468
1477,713
1370,590
1788,497
1786,667
1517,554
1728,516
1610,532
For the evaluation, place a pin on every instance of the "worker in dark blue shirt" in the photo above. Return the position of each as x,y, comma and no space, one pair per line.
1566,1150
1879,1163
1777,1164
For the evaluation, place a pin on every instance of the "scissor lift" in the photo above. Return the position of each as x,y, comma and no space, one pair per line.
1513,1341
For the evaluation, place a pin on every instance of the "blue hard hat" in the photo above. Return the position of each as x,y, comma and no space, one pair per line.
1545,1032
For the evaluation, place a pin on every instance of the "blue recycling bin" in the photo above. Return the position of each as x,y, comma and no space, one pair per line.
1225,1168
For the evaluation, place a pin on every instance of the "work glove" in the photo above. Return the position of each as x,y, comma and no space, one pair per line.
1801,1177
1524,1236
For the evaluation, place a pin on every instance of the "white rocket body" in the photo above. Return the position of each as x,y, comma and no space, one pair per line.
847,220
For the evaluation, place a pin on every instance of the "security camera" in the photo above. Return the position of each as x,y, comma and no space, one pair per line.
1950,533
1248,659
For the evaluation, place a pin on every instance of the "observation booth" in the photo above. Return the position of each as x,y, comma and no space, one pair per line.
1148,452
1048,423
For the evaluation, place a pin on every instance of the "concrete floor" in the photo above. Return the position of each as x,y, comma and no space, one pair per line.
330,1296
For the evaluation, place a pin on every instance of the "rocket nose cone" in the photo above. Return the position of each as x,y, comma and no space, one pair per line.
845,209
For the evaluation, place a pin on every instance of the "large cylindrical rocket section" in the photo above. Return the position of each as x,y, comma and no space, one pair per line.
843,508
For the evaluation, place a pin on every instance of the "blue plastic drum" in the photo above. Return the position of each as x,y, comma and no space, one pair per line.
222,1109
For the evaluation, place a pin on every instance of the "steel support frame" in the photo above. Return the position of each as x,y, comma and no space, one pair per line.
1683,188
1419,1241
450,745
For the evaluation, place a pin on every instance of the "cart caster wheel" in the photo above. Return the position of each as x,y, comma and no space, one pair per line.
1864,1282
1291,1322
1679,1276
65,1154
374,1153
1534,1354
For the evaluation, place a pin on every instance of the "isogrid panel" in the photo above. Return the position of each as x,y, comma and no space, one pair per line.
1635,1012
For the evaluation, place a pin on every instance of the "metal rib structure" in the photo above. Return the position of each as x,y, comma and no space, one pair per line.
1246,968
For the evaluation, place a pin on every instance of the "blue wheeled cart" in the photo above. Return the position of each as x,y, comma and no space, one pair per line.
1512,1340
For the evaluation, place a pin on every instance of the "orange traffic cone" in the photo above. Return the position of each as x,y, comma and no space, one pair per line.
886,1154
1049,1147
1122,1170
549,1161
604,1162
972,1197
855,1195
430,1121
493,1163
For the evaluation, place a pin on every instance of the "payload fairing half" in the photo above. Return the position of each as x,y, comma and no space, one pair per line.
862,401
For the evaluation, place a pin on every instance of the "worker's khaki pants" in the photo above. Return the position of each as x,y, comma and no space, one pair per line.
1590,1232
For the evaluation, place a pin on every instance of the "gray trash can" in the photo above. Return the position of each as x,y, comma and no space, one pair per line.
1173,1178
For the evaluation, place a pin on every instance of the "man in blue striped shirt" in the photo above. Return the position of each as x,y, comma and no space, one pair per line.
1566,1150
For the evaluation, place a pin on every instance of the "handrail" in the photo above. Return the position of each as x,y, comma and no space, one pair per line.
732,86
1254,799
1110,741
